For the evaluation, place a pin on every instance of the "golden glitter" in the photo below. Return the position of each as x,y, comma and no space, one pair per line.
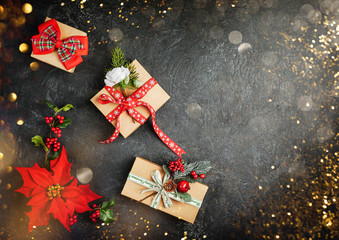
277,236
20,122
145,234
12,97
8,186
4,206
62,4
260,187
273,215
23,47
204,236
166,233
34,66
27,8
101,4
272,167
157,225
9,169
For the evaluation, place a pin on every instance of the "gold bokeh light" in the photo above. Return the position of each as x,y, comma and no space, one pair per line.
23,47
34,66
12,97
27,8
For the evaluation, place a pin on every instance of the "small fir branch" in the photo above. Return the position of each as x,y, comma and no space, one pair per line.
200,167
119,60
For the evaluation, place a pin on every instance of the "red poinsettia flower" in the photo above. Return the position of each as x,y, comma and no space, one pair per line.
51,193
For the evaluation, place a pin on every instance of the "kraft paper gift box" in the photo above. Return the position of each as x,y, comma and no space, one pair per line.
184,211
52,58
156,97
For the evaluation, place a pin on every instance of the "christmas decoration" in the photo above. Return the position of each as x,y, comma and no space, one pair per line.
183,186
103,212
56,123
54,193
164,186
131,109
63,53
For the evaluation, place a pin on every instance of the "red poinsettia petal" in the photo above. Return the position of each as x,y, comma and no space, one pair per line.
29,184
59,211
90,196
39,199
41,176
71,192
61,169
38,216
77,204
38,190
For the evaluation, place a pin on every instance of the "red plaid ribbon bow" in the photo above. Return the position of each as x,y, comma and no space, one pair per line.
69,49
129,104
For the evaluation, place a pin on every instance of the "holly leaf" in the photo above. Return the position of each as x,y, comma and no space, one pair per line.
166,170
106,215
184,196
67,107
37,140
49,104
108,204
67,121
54,155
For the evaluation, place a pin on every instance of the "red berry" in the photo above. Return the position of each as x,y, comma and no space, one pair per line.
58,116
183,186
59,135
194,173
61,121
55,150
71,223
53,129
50,119
195,176
98,214
48,146
75,217
94,220
62,117
94,215
202,176
75,220
46,118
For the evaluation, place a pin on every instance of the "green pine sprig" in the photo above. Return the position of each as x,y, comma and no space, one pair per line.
200,167
119,60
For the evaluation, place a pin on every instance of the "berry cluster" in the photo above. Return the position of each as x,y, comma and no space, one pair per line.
57,131
52,142
176,165
60,118
73,220
195,175
96,213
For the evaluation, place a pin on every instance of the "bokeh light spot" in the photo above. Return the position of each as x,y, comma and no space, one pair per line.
27,8
23,47
34,66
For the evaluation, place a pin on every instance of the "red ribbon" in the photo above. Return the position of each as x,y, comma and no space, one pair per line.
69,50
129,104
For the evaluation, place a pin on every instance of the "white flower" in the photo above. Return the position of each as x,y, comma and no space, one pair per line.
116,75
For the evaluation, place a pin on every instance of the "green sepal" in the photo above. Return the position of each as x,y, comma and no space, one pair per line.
108,204
49,104
166,170
67,107
37,140
184,196
54,155
67,121
106,215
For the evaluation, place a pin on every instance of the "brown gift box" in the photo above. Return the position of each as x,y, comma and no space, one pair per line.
52,58
143,168
156,97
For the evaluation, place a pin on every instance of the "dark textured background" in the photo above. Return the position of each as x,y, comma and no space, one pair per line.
237,109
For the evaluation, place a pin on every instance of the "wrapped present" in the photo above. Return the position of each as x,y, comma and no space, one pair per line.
59,45
130,112
146,176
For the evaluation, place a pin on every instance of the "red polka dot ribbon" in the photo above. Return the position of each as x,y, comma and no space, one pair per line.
129,104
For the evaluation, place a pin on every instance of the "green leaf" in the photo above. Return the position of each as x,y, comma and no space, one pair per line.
106,215
67,107
201,167
54,155
49,104
108,204
166,169
67,121
37,140
184,196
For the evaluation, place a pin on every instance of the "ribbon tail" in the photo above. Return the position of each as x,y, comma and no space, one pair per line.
167,201
156,200
115,134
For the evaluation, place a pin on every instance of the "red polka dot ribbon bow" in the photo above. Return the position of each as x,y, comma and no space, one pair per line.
69,50
129,104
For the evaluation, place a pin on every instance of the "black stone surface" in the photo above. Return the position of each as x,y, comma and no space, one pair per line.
238,109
